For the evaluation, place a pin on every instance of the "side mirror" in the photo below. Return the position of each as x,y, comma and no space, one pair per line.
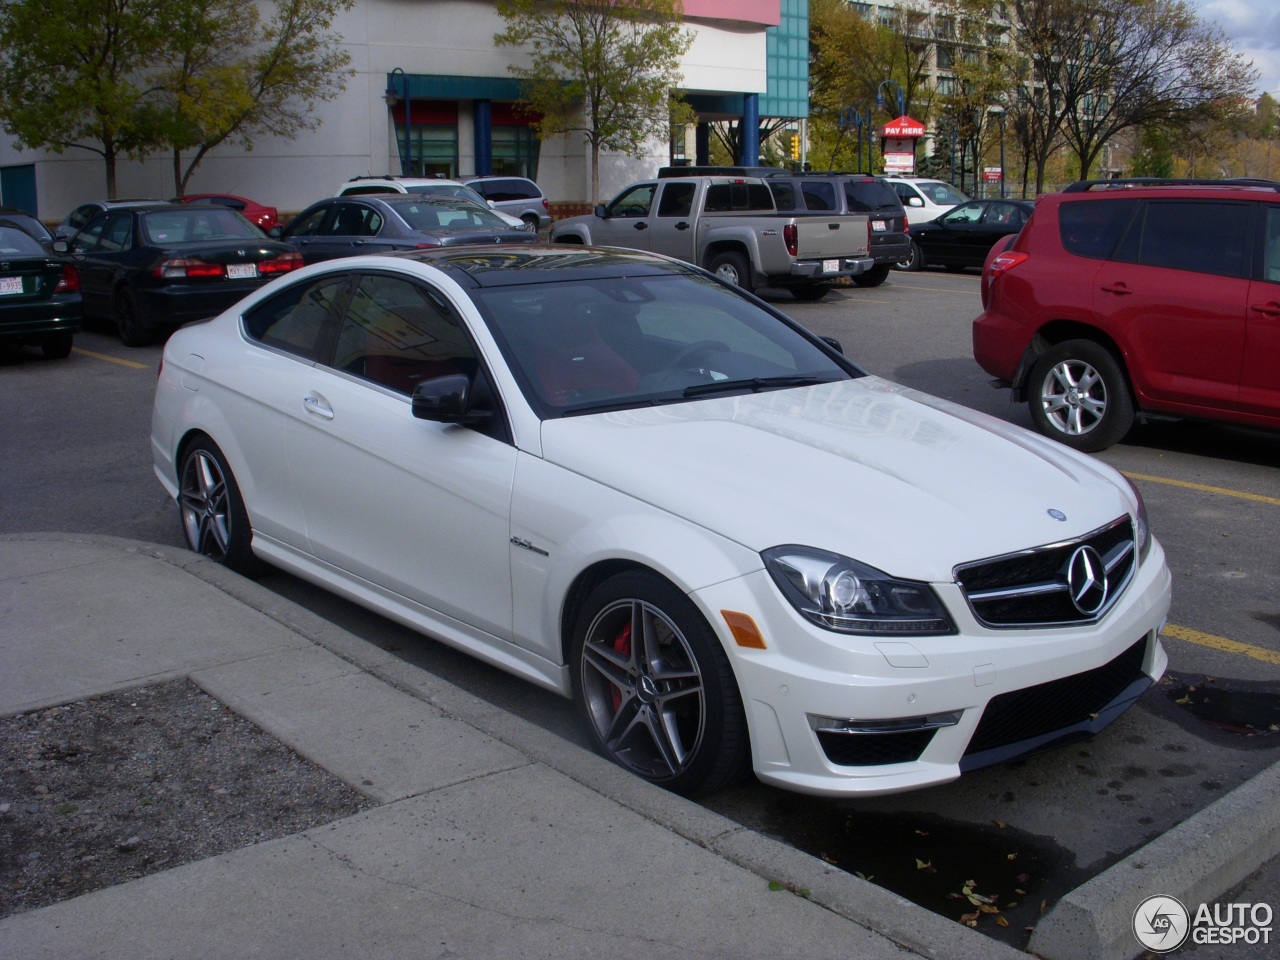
275,233
61,246
914,202
600,211
447,399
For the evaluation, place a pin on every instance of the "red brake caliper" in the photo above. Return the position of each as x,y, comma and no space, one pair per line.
622,644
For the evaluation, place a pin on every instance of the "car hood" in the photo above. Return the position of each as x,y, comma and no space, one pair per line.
908,483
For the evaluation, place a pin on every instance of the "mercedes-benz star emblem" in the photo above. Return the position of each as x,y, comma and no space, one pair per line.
1087,580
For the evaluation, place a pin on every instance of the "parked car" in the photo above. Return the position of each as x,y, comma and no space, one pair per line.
516,196
962,236
75,221
256,213
39,294
150,267
30,225
731,226
824,193
634,484
925,199
346,226
1126,300
434,186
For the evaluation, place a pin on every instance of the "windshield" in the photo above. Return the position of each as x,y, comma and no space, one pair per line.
612,343
197,226
437,212
941,193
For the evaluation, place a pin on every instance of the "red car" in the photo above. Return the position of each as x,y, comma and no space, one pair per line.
256,213
1123,300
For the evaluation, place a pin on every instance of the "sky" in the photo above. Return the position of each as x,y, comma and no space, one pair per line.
1253,28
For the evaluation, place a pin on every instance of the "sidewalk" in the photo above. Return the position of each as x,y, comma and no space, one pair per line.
493,838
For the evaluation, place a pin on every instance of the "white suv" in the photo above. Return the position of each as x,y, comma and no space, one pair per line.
364,185
925,199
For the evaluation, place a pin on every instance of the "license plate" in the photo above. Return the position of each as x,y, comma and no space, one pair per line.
10,285
241,271
879,226
830,266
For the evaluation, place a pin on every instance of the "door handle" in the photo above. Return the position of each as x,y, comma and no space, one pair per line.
682,225
1120,288
1271,309
317,406
641,225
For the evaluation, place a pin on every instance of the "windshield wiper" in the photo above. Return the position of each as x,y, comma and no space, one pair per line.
754,384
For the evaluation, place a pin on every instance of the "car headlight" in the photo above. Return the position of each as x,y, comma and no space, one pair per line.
1142,529
850,597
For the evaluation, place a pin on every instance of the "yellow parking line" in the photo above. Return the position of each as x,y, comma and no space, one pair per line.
102,356
1220,643
1203,488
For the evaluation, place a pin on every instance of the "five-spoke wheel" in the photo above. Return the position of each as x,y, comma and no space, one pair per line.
655,687
214,520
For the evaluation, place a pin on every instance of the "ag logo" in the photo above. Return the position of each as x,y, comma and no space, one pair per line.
1161,924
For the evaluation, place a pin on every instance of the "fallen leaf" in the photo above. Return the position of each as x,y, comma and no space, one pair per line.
970,918
999,823
1011,856
1044,905
1002,921
1183,700
926,865
776,886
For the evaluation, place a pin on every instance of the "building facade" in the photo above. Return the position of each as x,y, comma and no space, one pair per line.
432,95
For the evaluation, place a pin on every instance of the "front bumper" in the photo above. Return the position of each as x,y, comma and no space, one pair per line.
837,715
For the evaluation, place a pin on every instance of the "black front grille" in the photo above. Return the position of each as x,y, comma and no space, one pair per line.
874,749
1030,588
1043,709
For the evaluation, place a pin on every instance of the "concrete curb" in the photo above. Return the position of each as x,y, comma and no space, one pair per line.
1197,861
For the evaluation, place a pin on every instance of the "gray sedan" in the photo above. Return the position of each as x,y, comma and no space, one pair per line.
347,226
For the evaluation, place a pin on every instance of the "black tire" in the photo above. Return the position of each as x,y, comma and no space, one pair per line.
131,325
667,709
873,277
731,268
1078,395
215,523
915,261
811,291
57,346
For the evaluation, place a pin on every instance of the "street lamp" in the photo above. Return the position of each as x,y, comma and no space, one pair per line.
902,97
850,118
998,113
392,97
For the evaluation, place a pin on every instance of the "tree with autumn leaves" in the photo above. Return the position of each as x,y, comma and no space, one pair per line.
128,79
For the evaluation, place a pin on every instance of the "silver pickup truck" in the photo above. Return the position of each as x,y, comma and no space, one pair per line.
730,226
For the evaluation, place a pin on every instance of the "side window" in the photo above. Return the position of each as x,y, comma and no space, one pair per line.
784,194
310,225
1201,236
399,333
82,215
818,195
968,213
1271,245
87,239
300,318
677,200
1092,228
635,202
354,220
116,234
1003,213
906,193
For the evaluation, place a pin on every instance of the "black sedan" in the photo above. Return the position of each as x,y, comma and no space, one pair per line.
346,226
148,268
39,294
962,236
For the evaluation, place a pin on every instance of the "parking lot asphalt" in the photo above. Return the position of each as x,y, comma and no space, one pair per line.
491,838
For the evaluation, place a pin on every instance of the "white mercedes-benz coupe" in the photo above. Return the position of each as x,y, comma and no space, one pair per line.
624,480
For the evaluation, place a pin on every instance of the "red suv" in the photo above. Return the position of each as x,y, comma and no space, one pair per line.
1129,299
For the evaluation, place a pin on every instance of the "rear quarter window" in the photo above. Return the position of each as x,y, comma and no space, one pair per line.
871,196
1202,236
727,197
1093,228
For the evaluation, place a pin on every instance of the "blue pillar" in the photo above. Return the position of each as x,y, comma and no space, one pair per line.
483,137
702,144
750,130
